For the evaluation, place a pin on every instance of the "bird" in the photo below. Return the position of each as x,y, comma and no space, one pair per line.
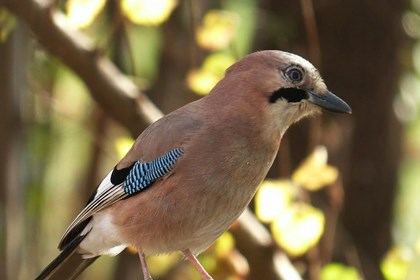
191,174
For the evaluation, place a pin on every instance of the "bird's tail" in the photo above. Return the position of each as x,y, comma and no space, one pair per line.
68,265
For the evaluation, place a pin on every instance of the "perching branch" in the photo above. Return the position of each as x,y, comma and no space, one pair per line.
112,90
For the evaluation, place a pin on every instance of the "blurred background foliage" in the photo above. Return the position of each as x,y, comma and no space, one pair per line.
353,217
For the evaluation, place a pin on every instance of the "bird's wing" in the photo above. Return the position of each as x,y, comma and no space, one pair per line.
121,184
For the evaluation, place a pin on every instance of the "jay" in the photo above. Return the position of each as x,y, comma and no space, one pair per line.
190,174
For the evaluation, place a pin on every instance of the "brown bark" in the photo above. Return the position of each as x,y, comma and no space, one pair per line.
12,193
361,43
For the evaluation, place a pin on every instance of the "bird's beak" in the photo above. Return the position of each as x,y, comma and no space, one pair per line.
330,102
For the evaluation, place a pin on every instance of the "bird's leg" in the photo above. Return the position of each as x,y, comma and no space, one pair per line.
197,265
146,274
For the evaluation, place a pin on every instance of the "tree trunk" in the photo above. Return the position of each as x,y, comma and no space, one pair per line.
12,77
362,65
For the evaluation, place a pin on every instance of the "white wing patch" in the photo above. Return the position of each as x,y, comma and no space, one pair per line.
107,194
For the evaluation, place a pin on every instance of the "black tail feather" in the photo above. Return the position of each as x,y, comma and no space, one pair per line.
68,265
82,266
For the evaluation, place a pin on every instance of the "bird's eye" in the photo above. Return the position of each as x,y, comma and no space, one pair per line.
294,74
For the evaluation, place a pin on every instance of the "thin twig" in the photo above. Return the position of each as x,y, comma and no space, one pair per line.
311,29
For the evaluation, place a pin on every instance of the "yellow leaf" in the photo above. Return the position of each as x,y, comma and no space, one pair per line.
160,265
314,173
224,244
202,80
395,265
123,145
81,13
218,63
148,12
334,271
298,229
217,29
417,246
272,198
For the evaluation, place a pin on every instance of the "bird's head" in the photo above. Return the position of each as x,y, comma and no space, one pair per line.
290,86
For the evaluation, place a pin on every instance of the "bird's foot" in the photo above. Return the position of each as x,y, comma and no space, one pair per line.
146,274
190,256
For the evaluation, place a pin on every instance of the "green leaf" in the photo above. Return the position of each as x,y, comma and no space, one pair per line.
7,23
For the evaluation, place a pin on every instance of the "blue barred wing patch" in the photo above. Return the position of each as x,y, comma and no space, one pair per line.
142,175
